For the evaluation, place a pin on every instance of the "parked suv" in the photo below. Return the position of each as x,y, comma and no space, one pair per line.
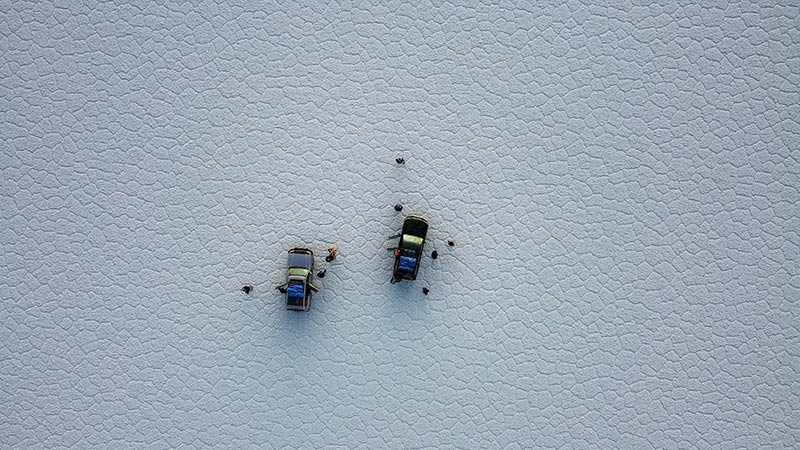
408,254
299,279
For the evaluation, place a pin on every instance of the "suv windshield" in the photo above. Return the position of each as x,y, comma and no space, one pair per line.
297,272
412,240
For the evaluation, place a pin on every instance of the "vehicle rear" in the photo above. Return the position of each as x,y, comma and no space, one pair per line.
297,295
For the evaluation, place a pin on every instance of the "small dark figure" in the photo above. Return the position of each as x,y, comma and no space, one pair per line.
398,207
425,290
451,243
400,160
331,254
321,273
282,289
434,254
247,288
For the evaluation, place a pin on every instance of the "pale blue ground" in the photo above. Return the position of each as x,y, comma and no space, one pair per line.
622,184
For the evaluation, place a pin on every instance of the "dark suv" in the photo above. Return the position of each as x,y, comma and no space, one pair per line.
408,254
299,279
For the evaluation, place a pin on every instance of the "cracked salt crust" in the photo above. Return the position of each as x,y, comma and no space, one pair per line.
618,179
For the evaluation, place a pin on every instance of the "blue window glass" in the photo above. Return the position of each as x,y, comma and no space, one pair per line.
407,263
